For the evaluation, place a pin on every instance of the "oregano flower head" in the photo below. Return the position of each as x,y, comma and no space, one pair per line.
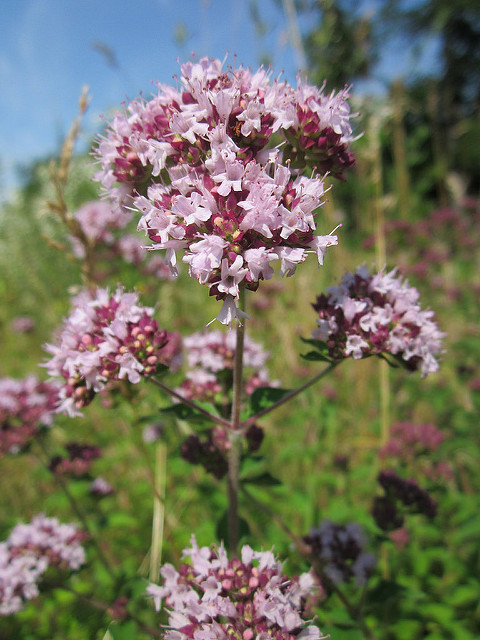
210,357
246,597
340,549
378,314
215,168
107,336
28,552
25,406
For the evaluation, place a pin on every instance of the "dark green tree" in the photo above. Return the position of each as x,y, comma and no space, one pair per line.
340,47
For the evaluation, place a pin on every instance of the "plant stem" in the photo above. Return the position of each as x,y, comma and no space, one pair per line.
77,511
189,403
301,546
288,396
235,434
97,604
158,511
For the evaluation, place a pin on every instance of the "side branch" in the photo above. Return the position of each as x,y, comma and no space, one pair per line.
288,396
189,403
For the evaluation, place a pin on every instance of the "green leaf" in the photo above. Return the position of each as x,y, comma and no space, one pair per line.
184,412
264,397
437,611
122,520
464,595
124,630
394,364
222,527
340,617
318,345
386,590
320,352
315,356
161,369
407,629
137,587
263,479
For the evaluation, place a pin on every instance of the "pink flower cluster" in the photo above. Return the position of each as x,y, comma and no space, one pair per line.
210,356
98,223
409,441
25,406
215,169
408,438
247,597
100,488
79,461
444,235
107,336
29,551
375,314
97,220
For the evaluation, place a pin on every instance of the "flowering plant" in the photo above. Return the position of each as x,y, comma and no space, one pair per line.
29,551
205,167
218,168
375,315
246,597
211,359
25,406
107,336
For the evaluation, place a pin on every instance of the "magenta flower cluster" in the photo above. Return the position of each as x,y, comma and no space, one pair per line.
401,496
407,438
246,597
79,460
25,406
210,356
408,441
377,314
107,336
215,166
27,554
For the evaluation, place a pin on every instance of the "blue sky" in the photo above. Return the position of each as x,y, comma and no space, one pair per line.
47,54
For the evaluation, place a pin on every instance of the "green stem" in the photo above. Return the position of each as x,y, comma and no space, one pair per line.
235,434
189,403
158,511
76,510
288,396
97,604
